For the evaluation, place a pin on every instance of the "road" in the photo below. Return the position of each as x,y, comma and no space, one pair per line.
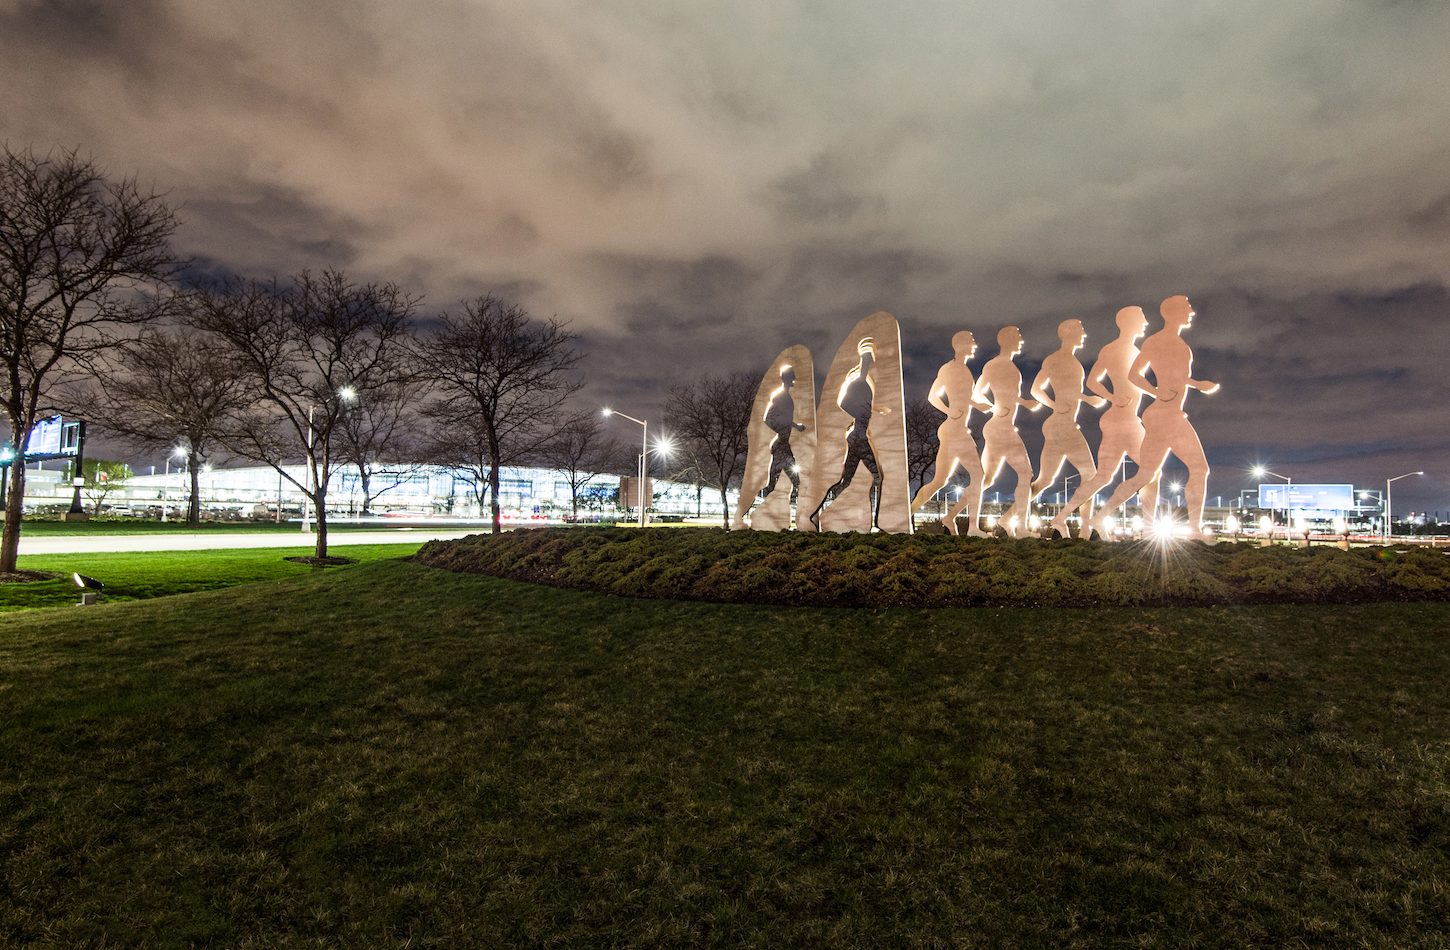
96,544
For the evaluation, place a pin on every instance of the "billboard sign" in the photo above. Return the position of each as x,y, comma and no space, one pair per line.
1307,497
44,437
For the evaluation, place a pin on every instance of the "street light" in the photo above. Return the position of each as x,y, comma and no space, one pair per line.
346,394
1260,471
1389,527
643,453
176,453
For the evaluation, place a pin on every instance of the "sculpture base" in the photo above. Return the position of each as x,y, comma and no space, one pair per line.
76,516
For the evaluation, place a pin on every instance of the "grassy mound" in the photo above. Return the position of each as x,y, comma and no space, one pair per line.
832,570
387,755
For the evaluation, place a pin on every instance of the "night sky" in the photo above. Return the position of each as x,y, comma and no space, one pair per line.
697,185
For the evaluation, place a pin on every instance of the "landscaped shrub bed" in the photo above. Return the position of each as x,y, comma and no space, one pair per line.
854,570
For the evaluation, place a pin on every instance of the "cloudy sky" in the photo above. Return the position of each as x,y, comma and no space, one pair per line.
697,185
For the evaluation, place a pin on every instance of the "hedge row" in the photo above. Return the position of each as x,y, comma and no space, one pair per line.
835,570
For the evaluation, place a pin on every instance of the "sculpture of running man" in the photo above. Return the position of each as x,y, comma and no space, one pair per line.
1165,425
1002,443
1062,438
780,419
857,398
951,393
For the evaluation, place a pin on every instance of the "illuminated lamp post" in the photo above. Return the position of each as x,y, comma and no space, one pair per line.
177,453
1260,471
643,453
1389,529
347,395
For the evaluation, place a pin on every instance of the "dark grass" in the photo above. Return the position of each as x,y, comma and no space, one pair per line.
385,754
147,574
883,570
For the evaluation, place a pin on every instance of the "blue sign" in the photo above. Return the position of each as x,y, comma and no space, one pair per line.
1307,497
44,437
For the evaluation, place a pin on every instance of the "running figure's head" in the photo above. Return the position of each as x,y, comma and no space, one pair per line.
787,376
964,345
1071,333
1177,312
1132,322
1010,340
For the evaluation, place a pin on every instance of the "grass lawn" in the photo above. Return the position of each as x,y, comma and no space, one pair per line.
143,575
386,753
55,529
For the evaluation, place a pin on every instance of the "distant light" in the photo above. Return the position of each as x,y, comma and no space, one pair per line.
607,411
1137,524
1174,486
1034,522
1232,524
1265,524
1163,529
796,469
347,394
178,453
1258,471
665,446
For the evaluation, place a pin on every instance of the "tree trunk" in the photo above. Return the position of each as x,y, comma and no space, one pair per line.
193,508
367,480
320,548
319,502
725,509
14,510
574,501
493,483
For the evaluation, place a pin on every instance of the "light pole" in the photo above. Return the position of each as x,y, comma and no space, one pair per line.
177,453
1389,528
346,394
1260,471
643,453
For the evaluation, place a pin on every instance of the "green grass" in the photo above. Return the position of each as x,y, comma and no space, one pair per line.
389,754
108,526
143,575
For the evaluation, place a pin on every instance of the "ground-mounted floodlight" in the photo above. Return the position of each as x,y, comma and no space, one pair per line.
90,589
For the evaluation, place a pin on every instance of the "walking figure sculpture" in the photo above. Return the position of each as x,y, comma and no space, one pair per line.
1002,443
1165,425
780,419
1122,430
857,398
951,393
1062,438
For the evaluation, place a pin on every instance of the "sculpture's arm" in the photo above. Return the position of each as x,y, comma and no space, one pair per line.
938,403
1136,377
1095,379
1039,391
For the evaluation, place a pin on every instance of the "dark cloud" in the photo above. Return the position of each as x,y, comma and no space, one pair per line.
709,185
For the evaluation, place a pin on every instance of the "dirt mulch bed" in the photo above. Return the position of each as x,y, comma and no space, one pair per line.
26,577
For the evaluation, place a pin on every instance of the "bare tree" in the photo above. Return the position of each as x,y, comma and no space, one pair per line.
582,450
166,390
502,376
710,417
307,352
381,438
75,250
922,420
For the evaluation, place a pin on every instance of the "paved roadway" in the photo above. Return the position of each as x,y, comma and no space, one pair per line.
95,544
